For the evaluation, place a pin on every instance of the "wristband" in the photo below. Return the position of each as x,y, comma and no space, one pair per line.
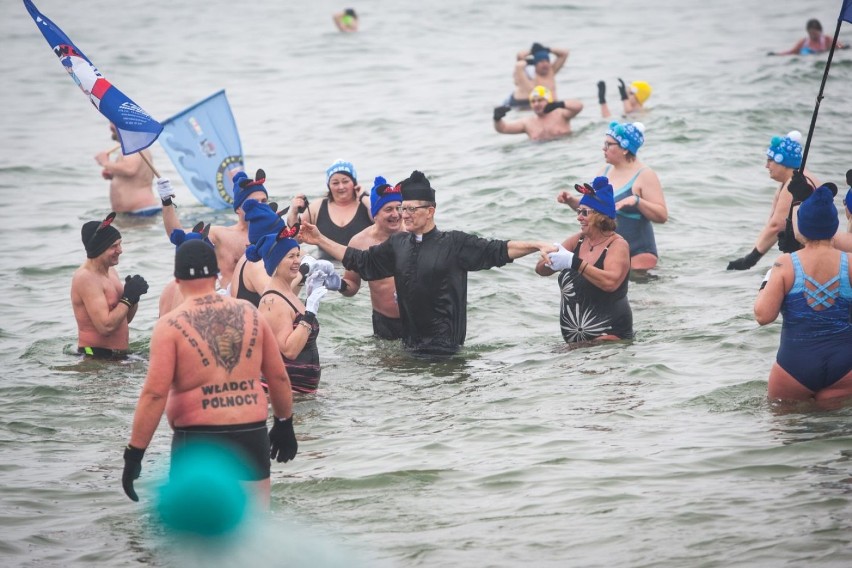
306,325
126,302
636,204
343,286
167,201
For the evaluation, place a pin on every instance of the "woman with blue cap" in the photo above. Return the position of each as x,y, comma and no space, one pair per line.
783,159
342,213
639,199
811,289
295,324
593,266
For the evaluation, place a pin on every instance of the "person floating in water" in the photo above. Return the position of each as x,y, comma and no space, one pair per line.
346,21
632,98
815,42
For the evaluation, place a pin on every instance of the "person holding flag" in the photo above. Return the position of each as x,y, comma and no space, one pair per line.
131,180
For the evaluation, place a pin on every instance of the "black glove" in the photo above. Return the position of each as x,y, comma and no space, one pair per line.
771,53
500,112
746,262
799,187
282,440
601,92
787,238
132,469
538,47
622,89
849,177
550,107
134,287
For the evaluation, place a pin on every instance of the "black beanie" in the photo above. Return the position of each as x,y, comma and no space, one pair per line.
417,188
98,236
195,259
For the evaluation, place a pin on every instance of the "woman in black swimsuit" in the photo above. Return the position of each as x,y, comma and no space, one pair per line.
344,212
593,266
294,323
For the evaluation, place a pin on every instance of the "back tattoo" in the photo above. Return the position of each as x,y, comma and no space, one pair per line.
222,327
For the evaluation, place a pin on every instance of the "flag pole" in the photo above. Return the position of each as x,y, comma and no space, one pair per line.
150,165
819,96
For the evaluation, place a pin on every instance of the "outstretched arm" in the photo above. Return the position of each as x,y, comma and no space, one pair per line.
517,249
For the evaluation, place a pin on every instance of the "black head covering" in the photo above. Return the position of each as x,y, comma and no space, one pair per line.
195,259
99,235
417,188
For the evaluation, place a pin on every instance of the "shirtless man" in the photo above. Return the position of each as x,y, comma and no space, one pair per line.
130,181
103,306
544,73
230,241
784,156
385,199
207,357
550,120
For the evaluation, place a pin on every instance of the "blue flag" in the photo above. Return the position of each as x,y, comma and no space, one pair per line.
204,145
136,129
846,11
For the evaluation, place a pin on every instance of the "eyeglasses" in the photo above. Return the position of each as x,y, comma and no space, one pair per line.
608,144
583,212
410,209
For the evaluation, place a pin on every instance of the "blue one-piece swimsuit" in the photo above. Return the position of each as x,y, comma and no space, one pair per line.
632,225
816,338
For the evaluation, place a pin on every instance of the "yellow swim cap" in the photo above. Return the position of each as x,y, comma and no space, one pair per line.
542,92
642,90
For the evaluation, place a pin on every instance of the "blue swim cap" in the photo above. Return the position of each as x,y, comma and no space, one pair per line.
786,150
817,215
340,167
243,186
261,219
382,194
601,199
630,136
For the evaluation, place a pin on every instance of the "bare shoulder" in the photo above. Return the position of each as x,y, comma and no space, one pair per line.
365,239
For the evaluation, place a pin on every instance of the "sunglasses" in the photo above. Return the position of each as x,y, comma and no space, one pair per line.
584,212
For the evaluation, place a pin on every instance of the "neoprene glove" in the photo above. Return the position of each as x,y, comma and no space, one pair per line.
134,287
500,112
164,188
601,92
282,440
550,107
622,89
746,262
132,469
799,187
313,301
563,258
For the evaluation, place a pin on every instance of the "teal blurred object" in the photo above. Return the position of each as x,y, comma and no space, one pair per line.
203,495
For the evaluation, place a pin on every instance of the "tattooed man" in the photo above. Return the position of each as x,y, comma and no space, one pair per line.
207,357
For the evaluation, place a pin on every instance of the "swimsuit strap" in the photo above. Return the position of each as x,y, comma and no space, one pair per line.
819,295
283,297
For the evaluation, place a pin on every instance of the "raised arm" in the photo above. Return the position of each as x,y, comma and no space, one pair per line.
561,58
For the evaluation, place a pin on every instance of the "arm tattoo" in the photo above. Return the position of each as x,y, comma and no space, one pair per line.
222,328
